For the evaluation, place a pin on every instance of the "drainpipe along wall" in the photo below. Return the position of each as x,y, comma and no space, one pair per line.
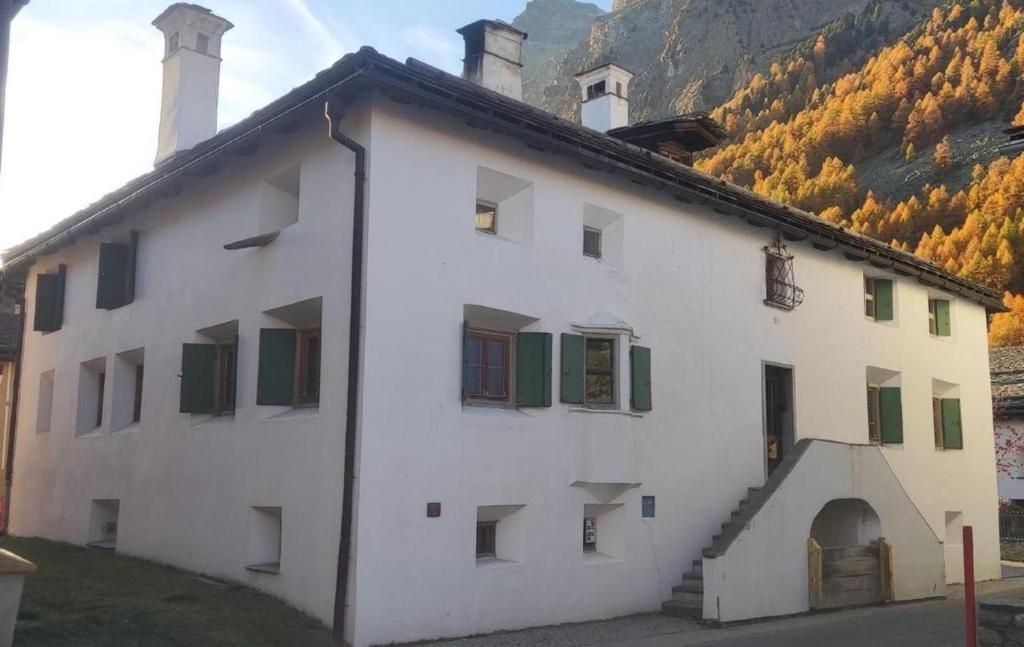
334,112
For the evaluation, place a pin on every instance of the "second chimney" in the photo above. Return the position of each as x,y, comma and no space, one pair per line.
188,105
494,56
605,99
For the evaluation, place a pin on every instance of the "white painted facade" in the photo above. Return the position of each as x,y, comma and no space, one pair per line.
680,279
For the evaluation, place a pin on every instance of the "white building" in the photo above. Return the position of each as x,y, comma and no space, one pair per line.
454,365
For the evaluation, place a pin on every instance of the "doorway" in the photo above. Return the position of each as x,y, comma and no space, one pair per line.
778,414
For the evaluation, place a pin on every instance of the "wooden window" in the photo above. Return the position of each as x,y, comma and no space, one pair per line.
486,217
307,389
595,90
198,378
937,422
102,381
592,242
890,414
115,281
486,365
486,538
600,372
874,422
869,297
931,317
938,317
49,314
952,424
225,396
639,378
137,404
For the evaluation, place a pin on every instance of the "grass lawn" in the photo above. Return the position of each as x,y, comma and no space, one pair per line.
83,597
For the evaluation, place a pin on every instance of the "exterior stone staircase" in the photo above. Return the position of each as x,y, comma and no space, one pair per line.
688,598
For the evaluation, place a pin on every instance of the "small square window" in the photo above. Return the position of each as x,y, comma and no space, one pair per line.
600,372
592,242
595,90
486,536
647,507
487,360
486,217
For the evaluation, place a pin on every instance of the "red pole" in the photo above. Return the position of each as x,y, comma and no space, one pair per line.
970,608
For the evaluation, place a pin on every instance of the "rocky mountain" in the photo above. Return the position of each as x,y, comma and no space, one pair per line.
553,26
686,54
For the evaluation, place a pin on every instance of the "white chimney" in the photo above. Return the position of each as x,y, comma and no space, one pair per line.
605,97
188,105
494,56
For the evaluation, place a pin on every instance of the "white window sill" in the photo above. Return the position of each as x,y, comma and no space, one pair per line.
296,412
130,429
92,433
594,557
203,420
616,412
495,562
484,409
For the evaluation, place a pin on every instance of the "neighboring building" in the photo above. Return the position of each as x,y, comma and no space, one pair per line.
1015,141
8,9
1007,366
455,365
10,333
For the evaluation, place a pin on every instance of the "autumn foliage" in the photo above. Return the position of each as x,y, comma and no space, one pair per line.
797,137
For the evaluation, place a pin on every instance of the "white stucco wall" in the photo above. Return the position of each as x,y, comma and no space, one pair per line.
186,483
691,285
774,545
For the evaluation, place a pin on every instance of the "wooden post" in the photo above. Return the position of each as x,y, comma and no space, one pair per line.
970,608
886,570
814,574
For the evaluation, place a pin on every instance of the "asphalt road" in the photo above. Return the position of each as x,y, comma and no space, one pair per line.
931,623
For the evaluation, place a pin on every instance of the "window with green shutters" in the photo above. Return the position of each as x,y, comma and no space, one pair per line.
938,317
115,281
948,423
533,369
276,379
505,368
198,378
49,314
890,414
573,364
878,298
640,378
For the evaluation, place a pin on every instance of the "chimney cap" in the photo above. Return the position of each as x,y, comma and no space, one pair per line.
595,68
186,6
478,25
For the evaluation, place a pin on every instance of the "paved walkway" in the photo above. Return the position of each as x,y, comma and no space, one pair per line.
932,623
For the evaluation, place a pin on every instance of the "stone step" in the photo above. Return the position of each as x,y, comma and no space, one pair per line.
678,610
691,584
732,527
698,567
688,597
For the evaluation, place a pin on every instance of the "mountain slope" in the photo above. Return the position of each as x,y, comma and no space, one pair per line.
692,54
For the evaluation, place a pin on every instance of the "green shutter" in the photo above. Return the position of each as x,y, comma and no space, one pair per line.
197,378
276,379
129,274
573,367
891,414
49,302
640,378
942,317
110,282
465,357
533,369
883,299
952,427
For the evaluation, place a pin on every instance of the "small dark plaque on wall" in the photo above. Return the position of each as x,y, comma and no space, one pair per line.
647,507
434,509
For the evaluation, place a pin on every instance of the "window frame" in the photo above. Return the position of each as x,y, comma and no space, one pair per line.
933,321
225,380
302,338
101,377
938,427
870,304
599,233
874,414
490,539
493,207
589,547
611,372
597,89
507,339
137,397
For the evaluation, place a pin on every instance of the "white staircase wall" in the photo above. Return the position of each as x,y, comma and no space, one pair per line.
764,572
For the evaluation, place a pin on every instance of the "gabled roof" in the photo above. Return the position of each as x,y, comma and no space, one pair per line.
419,83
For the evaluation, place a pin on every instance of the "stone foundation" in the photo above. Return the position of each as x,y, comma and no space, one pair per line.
1001,623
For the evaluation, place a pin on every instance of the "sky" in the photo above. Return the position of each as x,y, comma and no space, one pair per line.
83,85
